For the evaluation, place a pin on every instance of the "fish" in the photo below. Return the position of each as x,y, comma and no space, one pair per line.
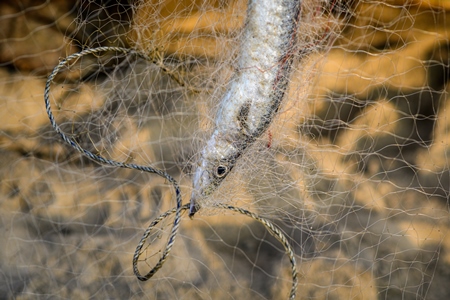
253,95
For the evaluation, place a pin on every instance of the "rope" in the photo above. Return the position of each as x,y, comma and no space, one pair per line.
278,234
272,229
100,159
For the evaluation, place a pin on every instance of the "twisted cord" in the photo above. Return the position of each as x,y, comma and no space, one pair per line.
102,160
272,229
137,252
278,234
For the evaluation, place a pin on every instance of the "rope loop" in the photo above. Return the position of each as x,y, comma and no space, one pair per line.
271,228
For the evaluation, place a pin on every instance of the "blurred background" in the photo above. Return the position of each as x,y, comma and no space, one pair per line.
354,169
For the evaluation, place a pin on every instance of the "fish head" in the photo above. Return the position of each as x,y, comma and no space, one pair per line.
217,160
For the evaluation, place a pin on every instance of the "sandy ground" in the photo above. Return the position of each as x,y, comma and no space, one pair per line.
354,170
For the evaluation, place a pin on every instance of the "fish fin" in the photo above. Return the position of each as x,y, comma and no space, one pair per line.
242,117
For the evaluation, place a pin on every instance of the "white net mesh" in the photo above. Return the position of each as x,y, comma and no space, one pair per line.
354,168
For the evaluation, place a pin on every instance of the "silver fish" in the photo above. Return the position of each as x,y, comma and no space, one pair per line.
253,95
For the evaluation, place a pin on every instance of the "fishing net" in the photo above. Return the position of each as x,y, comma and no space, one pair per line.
345,196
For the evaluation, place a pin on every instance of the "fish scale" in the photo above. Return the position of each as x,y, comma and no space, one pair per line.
254,94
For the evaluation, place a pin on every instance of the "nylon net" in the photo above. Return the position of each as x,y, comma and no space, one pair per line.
353,170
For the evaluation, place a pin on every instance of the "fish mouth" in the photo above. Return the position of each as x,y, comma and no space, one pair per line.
193,208
199,181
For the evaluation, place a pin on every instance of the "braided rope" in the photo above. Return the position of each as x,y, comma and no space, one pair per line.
275,232
272,229
100,159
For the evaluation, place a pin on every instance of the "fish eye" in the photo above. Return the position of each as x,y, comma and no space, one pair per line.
221,171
